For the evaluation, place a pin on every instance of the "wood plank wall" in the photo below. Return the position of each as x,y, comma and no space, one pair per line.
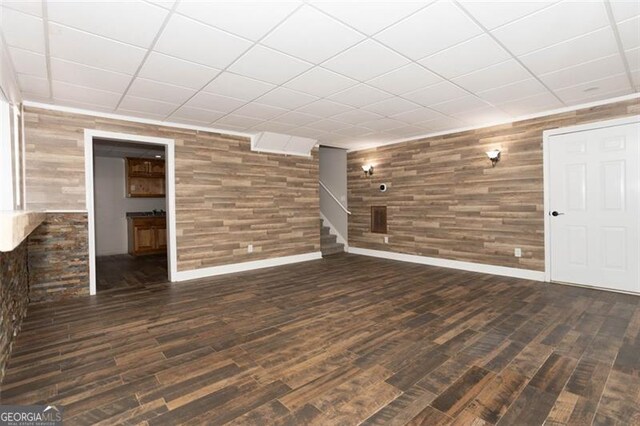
226,195
446,201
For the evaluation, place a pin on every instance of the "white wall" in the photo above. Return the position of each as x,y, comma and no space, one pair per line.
111,206
333,173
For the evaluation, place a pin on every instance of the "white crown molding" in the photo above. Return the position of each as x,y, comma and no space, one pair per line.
244,266
526,274
498,123
136,119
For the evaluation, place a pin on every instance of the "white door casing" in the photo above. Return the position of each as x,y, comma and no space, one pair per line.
594,185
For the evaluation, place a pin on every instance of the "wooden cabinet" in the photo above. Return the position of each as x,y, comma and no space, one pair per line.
147,235
145,177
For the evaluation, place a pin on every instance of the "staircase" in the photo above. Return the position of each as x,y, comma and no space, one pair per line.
328,242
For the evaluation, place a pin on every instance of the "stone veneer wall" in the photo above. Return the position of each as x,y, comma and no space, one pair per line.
59,257
14,297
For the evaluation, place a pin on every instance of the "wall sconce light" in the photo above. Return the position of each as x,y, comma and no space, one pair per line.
494,156
367,169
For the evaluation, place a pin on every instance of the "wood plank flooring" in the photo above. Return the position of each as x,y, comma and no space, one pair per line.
343,340
123,270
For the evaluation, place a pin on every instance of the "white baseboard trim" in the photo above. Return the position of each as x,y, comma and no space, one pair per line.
526,274
245,266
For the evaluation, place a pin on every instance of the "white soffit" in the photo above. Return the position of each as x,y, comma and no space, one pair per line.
297,66
279,143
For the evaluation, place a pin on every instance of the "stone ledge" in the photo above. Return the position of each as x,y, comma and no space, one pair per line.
15,227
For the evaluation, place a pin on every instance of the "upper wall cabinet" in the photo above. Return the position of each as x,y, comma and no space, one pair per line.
145,177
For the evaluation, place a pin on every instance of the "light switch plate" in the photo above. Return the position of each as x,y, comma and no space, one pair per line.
517,252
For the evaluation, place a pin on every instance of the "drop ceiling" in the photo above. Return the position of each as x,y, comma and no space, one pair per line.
347,73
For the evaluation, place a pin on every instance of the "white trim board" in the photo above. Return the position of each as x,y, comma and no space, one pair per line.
546,160
136,119
526,274
245,266
498,123
170,177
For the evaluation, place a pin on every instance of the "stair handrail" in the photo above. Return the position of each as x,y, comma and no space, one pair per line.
334,197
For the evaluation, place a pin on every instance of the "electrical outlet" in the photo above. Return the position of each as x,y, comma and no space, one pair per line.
386,240
250,248
517,252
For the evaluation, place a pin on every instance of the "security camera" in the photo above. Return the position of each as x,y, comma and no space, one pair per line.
383,187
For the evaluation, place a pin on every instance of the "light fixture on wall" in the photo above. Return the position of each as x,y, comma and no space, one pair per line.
367,169
494,156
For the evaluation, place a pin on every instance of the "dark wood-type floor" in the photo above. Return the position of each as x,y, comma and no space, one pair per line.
343,340
123,270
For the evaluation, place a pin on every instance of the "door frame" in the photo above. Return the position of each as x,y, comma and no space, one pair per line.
170,170
546,140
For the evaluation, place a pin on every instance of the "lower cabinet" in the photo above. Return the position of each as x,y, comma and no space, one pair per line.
147,235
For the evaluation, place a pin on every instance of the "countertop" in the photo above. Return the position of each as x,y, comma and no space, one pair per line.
15,226
145,214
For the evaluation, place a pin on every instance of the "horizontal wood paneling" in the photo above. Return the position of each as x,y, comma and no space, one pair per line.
226,195
446,201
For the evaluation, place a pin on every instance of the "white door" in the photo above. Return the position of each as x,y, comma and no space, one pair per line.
593,207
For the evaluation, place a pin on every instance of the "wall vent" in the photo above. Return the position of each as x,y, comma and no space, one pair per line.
279,143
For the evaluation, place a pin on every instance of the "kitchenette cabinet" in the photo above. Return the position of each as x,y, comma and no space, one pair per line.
147,235
145,177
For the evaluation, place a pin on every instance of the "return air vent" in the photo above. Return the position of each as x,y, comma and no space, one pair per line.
279,143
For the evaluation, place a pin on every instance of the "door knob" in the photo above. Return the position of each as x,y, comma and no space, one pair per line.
555,213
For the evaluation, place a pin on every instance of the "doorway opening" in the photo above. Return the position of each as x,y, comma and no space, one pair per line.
131,210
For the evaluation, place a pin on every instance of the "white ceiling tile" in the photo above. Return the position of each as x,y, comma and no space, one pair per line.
531,104
406,79
572,52
482,116
237,121
33,7
369,16
624,9
312,36
594,89
359,96
461,105
296,118
510,92
633,58
150,89
435,94
28,62
418,115
270,126
214,102
324,108
170,70
268,65
250,19
137,22
328,125
167,4
630,33
494,76
635,76
85,95
285,98
187,39
353,131
259,111
134,103
585,72
439,124
432,29
383,124
468,56
409,131
82,75
195,115
561,22
320,82
141,114
237,86
307,133
22,30
95,51
492,14
365,61
391,106
356,116
34,85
